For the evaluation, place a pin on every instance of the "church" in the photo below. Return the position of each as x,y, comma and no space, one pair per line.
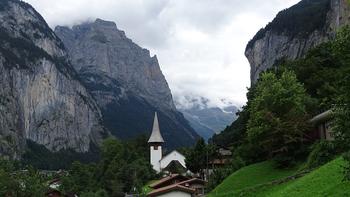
158,161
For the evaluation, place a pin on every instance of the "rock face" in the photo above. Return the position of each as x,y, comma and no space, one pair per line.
294,31
41,98
126,82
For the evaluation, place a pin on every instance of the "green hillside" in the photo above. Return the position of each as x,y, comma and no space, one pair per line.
324,181
250,176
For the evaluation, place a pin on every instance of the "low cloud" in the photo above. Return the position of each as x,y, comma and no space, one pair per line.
200,44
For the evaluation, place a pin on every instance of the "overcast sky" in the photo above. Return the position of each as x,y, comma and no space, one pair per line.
199,43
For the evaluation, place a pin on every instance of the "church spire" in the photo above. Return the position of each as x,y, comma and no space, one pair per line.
156,137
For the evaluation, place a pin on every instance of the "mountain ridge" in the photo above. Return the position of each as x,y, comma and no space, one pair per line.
126,82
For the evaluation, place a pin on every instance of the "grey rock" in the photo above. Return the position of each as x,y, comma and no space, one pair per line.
263,53
41,98
126,82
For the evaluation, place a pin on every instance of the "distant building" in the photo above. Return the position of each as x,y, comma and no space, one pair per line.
157,160
322,126
223,157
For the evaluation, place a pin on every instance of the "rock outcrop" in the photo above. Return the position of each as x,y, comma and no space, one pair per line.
126,82
294,31
41,97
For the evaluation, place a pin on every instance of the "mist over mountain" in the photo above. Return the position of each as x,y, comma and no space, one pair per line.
206,118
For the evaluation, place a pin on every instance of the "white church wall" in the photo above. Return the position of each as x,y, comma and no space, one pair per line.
175,194
156,156
173,156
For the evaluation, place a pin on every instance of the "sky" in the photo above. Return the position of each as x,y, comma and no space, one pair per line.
199,43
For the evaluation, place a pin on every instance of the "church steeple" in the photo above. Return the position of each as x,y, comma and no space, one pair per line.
156,137
155,144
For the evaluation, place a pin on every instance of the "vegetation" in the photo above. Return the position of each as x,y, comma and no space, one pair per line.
120,170
278,117
273,124
14,181
324,181
40,157
197,158
250,176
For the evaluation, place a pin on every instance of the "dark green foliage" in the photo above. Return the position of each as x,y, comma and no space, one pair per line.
346,166
124,167
299,20
321,153
19,183
217,177
41,158
197,158
278,117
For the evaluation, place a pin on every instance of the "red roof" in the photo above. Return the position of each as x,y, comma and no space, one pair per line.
174,187
193,180
168,180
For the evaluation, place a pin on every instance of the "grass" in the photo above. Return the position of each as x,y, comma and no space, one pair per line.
251,176
324,181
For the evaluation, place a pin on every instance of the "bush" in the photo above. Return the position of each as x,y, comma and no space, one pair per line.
321,153
346,167
217,177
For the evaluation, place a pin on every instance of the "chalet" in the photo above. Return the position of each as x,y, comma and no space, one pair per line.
322,126
169,180
158,162
174,190
223,158
178,185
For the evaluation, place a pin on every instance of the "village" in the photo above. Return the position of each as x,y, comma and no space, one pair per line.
187,184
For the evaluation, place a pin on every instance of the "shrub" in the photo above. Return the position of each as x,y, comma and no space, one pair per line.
321,153
346,167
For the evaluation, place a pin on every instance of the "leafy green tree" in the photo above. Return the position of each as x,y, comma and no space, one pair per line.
278,116
196,158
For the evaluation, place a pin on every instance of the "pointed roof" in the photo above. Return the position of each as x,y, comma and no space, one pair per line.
155,136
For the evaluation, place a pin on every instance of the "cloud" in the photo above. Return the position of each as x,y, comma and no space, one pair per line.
200,44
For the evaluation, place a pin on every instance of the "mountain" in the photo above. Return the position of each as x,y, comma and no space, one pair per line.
294,31
126,82
41,97
207,120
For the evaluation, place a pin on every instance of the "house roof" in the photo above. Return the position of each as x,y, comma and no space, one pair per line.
156,137
174,187
193,180
168,179
322,117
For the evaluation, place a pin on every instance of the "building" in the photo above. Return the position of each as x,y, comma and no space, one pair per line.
172,191
53,193
157,160
322,126
178,185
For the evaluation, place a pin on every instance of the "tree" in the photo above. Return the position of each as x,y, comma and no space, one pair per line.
278,116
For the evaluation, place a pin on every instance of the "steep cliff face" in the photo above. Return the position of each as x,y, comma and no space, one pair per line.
294,31
41,98
126,82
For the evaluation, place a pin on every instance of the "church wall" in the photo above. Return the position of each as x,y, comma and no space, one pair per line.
175,194
156,156
173,156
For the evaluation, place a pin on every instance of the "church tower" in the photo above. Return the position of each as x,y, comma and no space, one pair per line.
155,143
